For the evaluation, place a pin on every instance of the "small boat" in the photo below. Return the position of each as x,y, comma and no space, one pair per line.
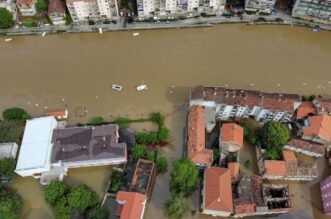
8,39
141,87
135,34
100,30
44,34
116,87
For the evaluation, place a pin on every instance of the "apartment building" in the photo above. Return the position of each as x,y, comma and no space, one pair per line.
317,10
264,6
232,104
148,8
84,10
26,7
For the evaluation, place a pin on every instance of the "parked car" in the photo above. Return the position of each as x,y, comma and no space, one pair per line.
106,22
114,22
189,15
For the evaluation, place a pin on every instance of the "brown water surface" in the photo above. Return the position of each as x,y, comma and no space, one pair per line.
78,70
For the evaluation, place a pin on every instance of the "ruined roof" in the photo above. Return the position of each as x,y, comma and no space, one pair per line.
133,204
250,98
232,133
196,137
56,6
289,156
275,167
234,168
305,109
319,126
307,146
87,143
218,190
244,206
324,105
143,176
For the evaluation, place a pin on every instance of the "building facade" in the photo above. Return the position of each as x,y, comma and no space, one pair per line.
230,104
26,7
264,6
57,13
95,10
317,10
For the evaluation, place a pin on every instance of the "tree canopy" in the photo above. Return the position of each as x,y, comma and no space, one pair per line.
55,191
274,136
176,207
163,134
184,176
98,213
138,151
82,197
15,114
6,18
42,5
10,205
161,164
7,167
62,210
10,131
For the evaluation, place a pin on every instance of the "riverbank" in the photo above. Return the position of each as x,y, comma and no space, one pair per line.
199,22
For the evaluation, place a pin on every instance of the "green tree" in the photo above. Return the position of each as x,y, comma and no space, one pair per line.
115,181
10,205
6,19
98,213
248,163
163,134
274,136
10,131
138,151
161,164
55,191
15,114
216,156
7,167
97,120
82,197
62,210
157,118
42,5
176,207
184,177
147,138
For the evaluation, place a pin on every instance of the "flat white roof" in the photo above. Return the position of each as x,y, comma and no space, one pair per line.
36,145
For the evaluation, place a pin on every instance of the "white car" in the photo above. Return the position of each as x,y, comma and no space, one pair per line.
189,15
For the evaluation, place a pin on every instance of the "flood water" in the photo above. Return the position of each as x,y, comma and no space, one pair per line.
78,70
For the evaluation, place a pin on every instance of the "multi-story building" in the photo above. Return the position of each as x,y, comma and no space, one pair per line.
148,8
264,6
317,10
57,13
85,10
325,186
131,205
232,104
8,4
26,7
317,129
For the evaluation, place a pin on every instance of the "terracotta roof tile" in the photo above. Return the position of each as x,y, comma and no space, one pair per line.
25,3
234,168
305,109
289,156
319,126
133,204
218,190
307,146
56,6
275,168
325,105
196,137
244,206
60,112
232,134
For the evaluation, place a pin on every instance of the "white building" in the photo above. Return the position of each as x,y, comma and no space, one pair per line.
85,10
8,4
316,10
264,6
8,150
57,12
232,104
26,7
36,148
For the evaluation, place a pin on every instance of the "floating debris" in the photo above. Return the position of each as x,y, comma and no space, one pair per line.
172,86
36,104
100,30
62,99
252,84
8,39
226,85
29,102
171,91
116,87
44,34
278,85
136,34
45,107
304,84
141,87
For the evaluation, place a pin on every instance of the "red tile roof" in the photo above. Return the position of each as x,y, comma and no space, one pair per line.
232,133
234,168
305,109
25,4
275,168
196,138
218,190
244,206
56,6
325,105
319,126
133,204
60,112
289,156
307,146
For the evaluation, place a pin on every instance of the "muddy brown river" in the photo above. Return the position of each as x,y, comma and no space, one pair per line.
78,70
